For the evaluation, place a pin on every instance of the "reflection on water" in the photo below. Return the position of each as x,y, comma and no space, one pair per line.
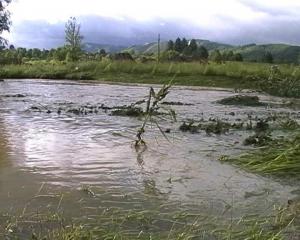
4,158
68,150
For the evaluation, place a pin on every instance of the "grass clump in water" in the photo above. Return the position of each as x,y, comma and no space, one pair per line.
189,127
262,135
213,126
241,100
290,124
258,139
128,111
278,158
218,127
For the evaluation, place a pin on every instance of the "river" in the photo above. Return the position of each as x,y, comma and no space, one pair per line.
45,154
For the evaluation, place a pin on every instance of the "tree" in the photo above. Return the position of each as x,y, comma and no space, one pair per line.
228,56
191,49
170,45
4,20
178,45
268,57
102,52
73,38
193,46
202,53
62,53
216,56
171,55
36,53
184,44
238,57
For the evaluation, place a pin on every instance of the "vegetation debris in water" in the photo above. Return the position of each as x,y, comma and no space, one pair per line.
279,158
258,139
241,100
177,103
128,111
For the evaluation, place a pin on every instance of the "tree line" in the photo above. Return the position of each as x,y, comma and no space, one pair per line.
182,49
71,51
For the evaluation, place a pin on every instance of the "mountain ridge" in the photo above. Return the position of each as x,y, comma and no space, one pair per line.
282,53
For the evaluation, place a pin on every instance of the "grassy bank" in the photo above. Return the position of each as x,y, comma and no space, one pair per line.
237,75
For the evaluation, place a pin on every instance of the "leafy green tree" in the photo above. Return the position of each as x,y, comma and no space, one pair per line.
60,54
73,38
228,56
202,53
170,45
4,20
193,46
184,44
69,57
178,45
51,54
170,55
22,51
268,57
102,52
36,53
216,56
191,49
238,57
44,54
29,53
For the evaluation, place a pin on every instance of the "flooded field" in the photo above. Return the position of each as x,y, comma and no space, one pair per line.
62,150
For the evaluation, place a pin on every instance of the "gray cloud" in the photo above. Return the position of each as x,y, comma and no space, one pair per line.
39,34
103,30
277,26
267,30
272,11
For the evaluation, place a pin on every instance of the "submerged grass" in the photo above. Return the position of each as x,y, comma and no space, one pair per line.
279,158
116,224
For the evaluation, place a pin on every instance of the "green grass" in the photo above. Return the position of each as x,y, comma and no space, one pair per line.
116,224
238,75
280,159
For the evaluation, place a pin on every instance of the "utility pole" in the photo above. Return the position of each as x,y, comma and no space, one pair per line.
158,48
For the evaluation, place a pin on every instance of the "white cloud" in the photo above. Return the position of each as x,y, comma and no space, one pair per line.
234,21
200,12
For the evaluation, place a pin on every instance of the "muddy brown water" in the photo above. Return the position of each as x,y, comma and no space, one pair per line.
59,154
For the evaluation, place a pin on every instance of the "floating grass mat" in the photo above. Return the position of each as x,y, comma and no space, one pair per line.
279,158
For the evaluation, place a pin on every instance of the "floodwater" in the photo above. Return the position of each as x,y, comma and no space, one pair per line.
60,154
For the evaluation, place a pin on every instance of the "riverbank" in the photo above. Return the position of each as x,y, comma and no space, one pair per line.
234,75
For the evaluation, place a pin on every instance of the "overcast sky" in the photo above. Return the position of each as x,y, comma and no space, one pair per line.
40,23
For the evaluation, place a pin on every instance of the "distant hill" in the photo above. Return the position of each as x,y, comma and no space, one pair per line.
210,46
94,47
282,53
152,47
147,48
